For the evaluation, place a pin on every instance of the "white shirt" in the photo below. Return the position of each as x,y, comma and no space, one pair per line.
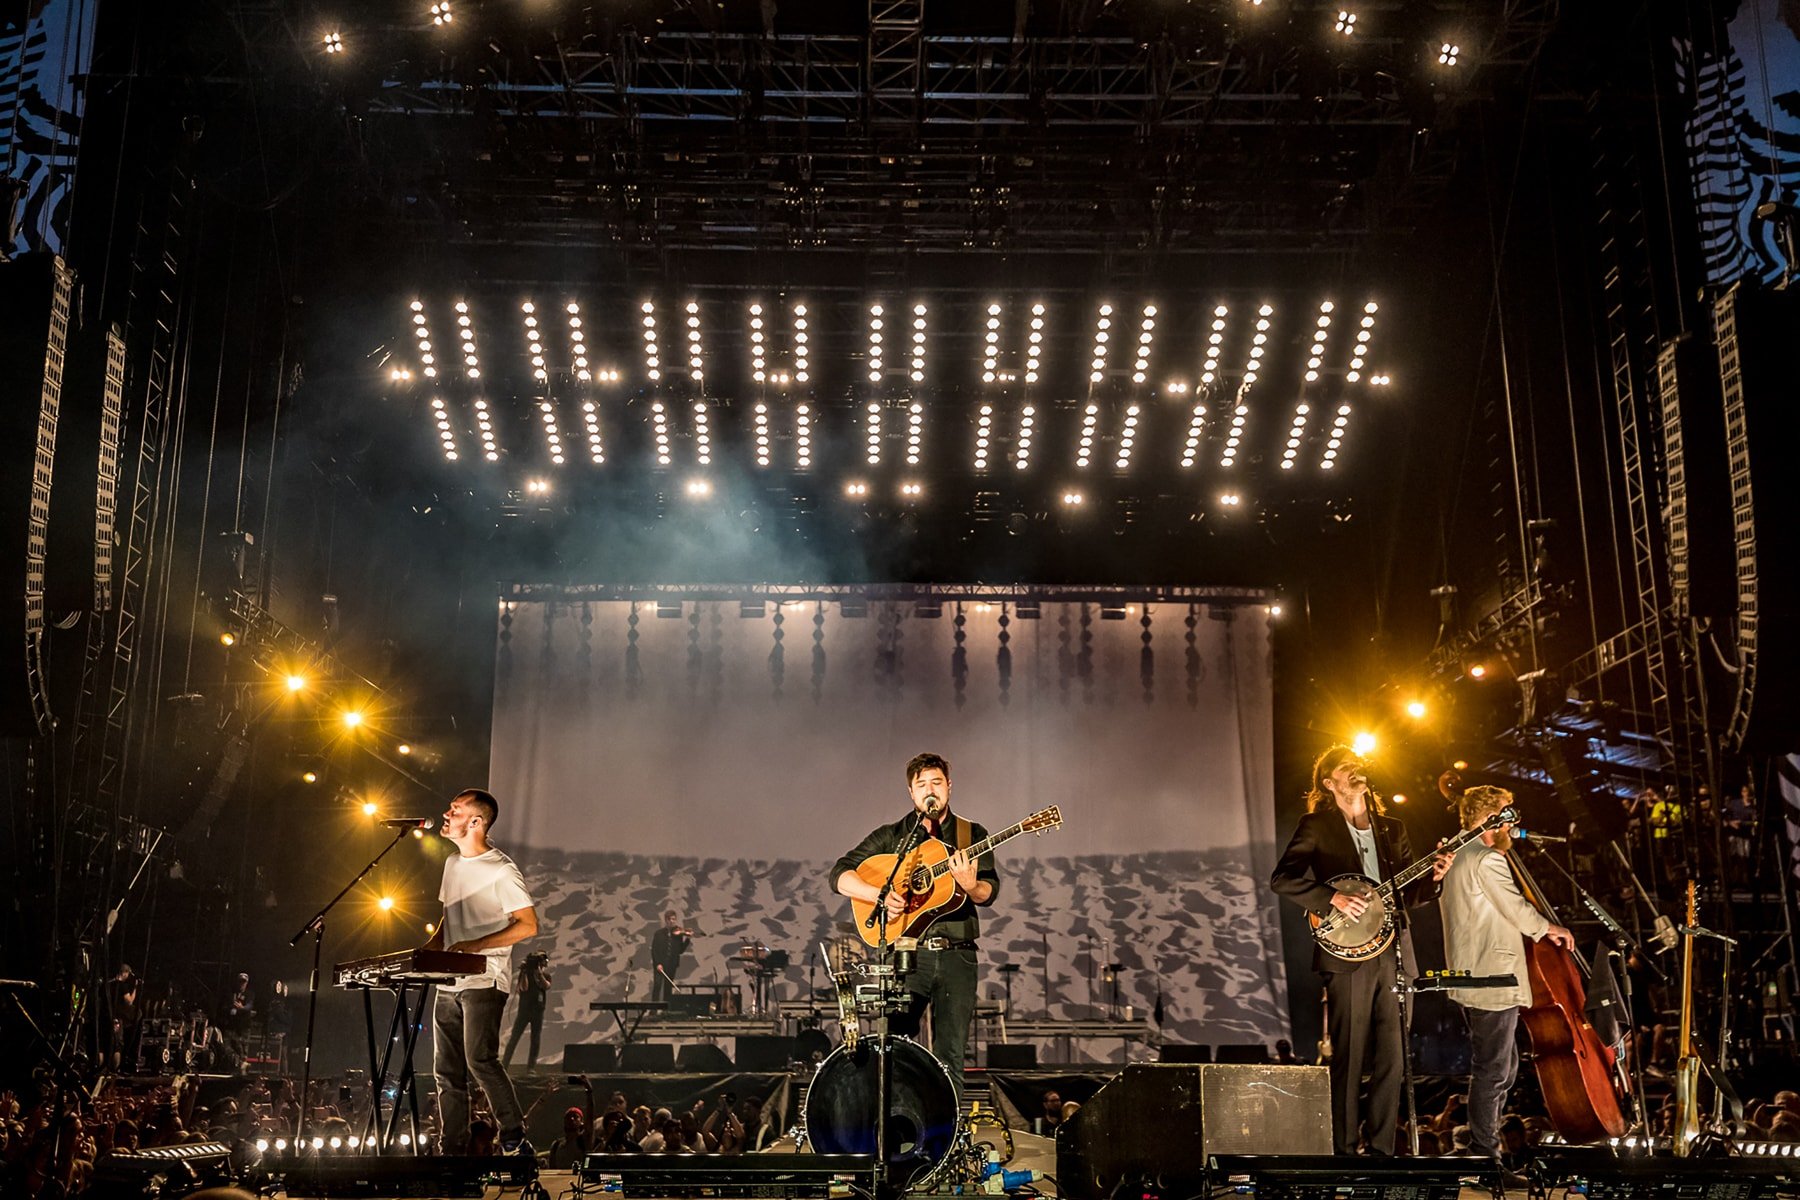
1486,922
1365,849
480,894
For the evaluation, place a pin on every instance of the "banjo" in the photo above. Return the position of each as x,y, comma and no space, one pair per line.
1357,939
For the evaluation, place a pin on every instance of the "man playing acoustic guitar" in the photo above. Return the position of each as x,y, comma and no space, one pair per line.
944,978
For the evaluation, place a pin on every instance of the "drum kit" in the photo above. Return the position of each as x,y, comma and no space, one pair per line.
924,1132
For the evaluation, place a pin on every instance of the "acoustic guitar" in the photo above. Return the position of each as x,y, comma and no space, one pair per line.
1358,939
925,880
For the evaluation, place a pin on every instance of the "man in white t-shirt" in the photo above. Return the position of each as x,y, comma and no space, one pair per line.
486,910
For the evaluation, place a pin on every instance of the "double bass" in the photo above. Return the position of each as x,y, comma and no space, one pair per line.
1575,1068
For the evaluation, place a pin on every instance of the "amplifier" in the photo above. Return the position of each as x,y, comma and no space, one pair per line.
1154,1125
435,1175
775,1176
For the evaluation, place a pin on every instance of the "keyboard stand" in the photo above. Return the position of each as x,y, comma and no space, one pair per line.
412,998
618,1011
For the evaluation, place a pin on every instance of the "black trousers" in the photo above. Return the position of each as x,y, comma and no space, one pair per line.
1365,1034
528,1014
943,981
661,976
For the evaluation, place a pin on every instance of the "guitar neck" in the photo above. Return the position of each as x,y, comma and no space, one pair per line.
990,842
1424,865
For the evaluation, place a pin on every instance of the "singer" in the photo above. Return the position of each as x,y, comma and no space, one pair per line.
667,945
486,911
943,978
1347,832
1486,922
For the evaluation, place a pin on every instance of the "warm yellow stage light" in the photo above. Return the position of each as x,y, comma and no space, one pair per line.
1398,797
226,639
1415,709
386,903
295,682
311,777
1363,743
1478,671
1460,765
431,927
368,808
353,718
404,748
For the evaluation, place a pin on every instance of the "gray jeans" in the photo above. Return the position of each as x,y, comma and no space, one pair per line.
466,1032
1493,1065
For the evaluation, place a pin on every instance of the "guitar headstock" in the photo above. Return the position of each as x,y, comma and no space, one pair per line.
1693,906
1042,819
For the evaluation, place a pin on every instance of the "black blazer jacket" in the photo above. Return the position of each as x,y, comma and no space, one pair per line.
1322,849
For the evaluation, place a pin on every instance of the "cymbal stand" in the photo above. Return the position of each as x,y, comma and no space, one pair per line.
315,925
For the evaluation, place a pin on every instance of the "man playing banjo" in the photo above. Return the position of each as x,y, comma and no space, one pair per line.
1346,832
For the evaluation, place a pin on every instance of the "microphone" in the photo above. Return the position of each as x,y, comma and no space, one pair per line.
1532,835
408,822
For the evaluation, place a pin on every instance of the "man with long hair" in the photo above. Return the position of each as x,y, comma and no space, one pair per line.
1347,832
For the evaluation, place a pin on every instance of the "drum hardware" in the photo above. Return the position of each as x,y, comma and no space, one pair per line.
923,1125
906,956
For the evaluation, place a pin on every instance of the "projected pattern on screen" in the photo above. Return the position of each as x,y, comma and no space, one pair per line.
716,759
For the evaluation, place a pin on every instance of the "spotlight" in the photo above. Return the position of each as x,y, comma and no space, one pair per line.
337,1143
1416,709
368,808
1398,797
226,639
440,15
296,683
318,1143
262,1145
1274,610
1346,22
699,487
280,1144
403,748
352,718
1460,764
1363,743
334,43
1448,53
386,903
310,777
1231,500
1072,499
1478,671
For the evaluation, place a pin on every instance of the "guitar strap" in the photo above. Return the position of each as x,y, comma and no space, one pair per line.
962,833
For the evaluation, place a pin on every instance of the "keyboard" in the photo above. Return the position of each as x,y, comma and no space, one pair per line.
407,966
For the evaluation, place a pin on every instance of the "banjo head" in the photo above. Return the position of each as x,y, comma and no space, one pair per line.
1367,935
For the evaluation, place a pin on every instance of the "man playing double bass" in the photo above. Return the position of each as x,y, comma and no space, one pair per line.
1346,833
1486,922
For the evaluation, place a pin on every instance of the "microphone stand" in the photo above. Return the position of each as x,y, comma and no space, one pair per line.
1402,983
315,925
884,1067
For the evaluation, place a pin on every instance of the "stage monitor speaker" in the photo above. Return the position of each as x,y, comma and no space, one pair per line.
1177,1052
647,1058
1604,1175
1014,1057
722,1176
764,1052
703,1057
1328,1177
395,1175
590,1058
1241,1053
1155,1124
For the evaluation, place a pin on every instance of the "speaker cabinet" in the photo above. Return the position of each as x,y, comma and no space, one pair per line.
590,1058
1155,1124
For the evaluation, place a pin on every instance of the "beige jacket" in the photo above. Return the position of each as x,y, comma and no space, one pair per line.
1486,922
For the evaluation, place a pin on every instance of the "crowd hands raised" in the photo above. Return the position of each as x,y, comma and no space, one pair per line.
725,1125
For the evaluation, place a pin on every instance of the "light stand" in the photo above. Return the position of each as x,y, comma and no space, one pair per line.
315,925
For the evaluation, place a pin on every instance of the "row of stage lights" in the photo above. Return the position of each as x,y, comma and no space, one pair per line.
1211,384
442,15
322,1145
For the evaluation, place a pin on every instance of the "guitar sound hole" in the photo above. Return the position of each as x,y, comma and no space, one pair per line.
921,880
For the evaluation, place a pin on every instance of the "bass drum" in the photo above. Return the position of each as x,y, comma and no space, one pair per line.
841,1107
